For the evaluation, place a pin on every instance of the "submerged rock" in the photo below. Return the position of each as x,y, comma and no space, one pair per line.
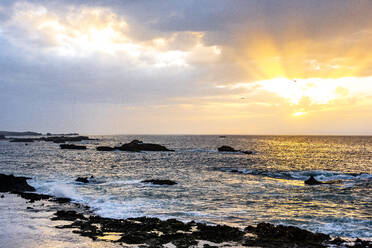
137,146
159,182
105,148
9,183
72,146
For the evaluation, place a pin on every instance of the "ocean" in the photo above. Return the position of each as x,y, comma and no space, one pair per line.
212,187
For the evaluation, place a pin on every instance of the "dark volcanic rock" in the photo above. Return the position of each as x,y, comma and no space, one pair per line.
218,234
137,146
312,181
159,182
2,137
12,183
32,196
68,215
82,179
72,146
105,148
269,235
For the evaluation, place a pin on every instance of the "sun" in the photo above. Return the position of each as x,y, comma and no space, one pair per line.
302,91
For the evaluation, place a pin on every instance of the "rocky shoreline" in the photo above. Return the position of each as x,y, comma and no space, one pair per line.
153,232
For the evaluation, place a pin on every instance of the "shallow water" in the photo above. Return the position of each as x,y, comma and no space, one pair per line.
221,188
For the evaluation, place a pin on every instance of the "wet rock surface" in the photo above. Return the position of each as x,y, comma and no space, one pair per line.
2,137
72,147
159,182
269,235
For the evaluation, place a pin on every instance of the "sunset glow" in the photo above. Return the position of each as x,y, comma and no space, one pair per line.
245,73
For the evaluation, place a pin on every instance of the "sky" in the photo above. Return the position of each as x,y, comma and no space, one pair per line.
186,66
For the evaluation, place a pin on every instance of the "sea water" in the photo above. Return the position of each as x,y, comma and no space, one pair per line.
212,187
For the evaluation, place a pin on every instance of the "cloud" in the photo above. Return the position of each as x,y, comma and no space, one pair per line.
117,63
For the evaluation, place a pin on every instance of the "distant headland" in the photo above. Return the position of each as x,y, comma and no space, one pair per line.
27,133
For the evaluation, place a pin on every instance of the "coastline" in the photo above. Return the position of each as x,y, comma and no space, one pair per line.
62,223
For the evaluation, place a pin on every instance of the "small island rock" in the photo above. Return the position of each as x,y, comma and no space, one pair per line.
72,147
159,182
82,179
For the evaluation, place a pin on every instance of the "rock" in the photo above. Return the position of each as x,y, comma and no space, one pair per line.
137,146
362,243
62,139
312,181
2,196
22,140
105,148
159,182
226,149
73,147
82,179
230,149
32,197
269,235
218,234
12,183
2,137
68,215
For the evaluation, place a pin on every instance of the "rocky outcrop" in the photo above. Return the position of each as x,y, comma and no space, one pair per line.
312,181
137,146
72,147
2,137
159,182
105,148
230,149
82,179
9,183
269,235
22,140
